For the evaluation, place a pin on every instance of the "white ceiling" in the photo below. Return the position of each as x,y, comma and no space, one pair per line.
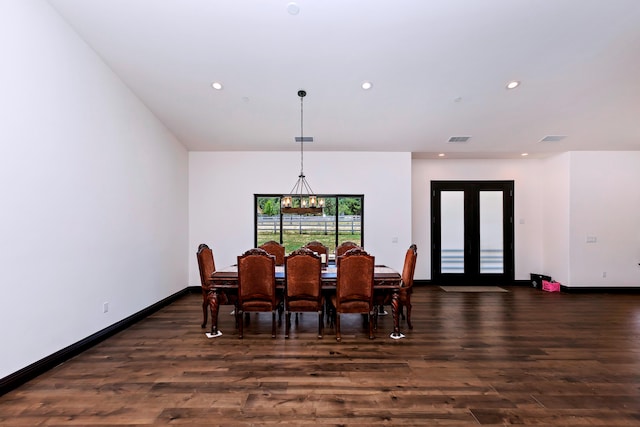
438,67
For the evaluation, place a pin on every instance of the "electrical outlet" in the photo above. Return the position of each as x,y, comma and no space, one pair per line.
105,307
604,274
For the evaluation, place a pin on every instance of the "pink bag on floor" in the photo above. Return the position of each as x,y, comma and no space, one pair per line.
550,286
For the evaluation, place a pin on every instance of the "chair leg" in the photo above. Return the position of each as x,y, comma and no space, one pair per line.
408,304
372,314
331,314
205,311
273,323
375,319
236,316
280,311
287,320
320,323
241,323
338,336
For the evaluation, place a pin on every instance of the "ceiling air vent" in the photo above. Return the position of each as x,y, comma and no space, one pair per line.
553,138
458,139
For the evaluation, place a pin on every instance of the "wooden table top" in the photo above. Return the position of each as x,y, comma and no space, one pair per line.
384,276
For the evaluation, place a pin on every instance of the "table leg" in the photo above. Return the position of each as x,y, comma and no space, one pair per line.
214,306
395,304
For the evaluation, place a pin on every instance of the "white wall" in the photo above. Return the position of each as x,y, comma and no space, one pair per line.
559,202
222,185
555,183
93,190
527,198
605,205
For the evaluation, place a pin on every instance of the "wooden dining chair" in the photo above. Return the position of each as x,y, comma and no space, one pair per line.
276,249
320,249
303,287
406,283
207,267
257,286
344,247
354,287
408,271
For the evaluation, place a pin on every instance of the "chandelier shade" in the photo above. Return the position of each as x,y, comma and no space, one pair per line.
301,200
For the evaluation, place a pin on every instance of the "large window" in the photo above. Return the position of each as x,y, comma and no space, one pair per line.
341,221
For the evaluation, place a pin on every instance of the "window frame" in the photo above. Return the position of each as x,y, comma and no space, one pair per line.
336,198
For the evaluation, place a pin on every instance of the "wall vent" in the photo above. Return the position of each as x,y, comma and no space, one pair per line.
553,138
458,139
304,139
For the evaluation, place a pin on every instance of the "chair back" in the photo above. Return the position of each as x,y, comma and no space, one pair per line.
274,248
344,247
409,266
206,264
355,278
319,248
257,278
303,276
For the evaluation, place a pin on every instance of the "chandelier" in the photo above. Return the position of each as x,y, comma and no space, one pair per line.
301,199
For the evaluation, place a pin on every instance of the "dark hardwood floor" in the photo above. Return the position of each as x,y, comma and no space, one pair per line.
522,357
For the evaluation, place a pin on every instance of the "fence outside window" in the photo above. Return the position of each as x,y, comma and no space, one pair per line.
347,224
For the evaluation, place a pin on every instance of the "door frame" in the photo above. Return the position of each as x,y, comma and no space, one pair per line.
472,234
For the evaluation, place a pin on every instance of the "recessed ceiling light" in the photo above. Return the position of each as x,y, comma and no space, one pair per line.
293,8
216,85
524,154
513,84
441,155
367,85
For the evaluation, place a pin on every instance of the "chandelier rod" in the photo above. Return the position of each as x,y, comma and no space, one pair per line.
302,94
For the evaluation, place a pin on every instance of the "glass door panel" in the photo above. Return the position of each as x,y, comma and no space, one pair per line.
491,233
452,232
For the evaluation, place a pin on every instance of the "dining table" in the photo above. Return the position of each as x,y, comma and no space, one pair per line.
224,283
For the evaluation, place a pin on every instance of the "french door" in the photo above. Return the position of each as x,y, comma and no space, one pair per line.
472,232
